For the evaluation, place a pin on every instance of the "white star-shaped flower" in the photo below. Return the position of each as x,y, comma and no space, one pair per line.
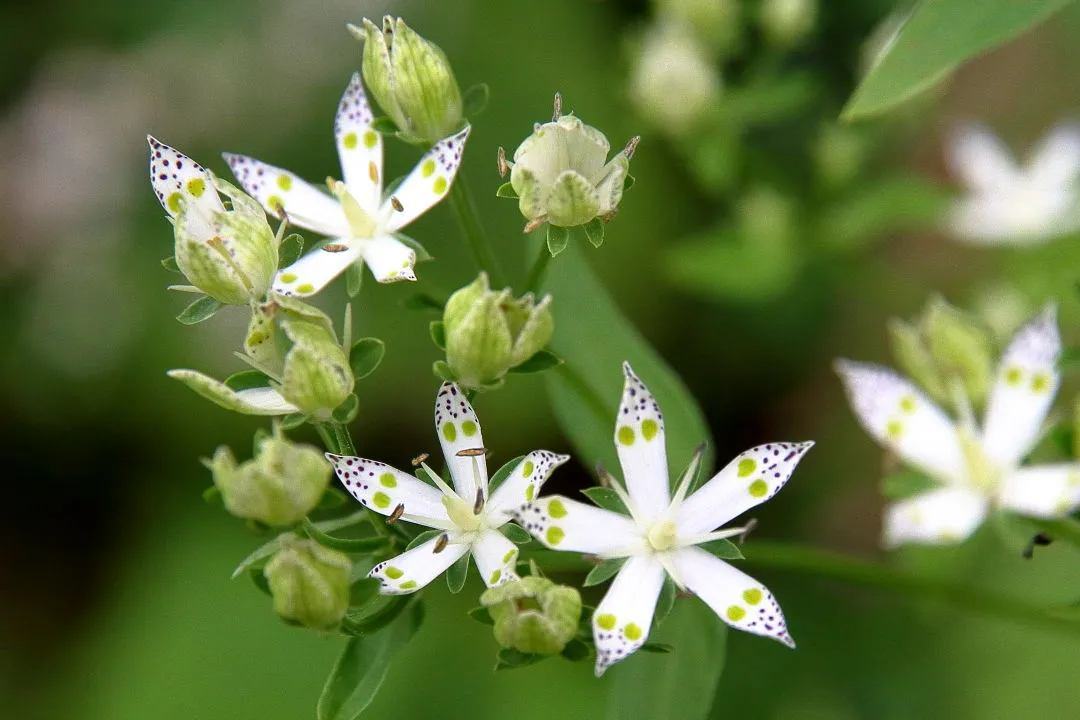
978,470
1009,204
360,223
662,531
468,515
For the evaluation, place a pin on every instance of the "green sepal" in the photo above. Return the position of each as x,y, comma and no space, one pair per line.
502,473
506,190
509,658
457,574
202,309
905,484
481,615
365,356
594,232
384,126
516,534
543,360
354,279
628,182
423,301
437,329
421,252
349,545
246,380
423,538
606,498
662,648
290,250
666,600
557,239
723,549
604,571
346,412
169,264
363,591
259,579
332,499
443,371
293,421
476,99
212,496
577,650
364,620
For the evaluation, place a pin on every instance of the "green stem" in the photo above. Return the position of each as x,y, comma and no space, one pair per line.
328,436
538,270
344,439
465,210
859,572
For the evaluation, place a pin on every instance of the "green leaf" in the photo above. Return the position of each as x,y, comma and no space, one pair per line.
293,421
438,334
202,309
290,250
481,615
346,412
541,361
557,239
660,648
423,301
362,666
365,356
375,614
576,650
457,574
905,484
354,279
476,100
723,549
516,534
511,658
937,37
506,190
502,473
666,601
246,380
443,371
348,545
594,231
423,538
722,264
875,209
421,252
604,571
680,686
169,264
384,126
606,498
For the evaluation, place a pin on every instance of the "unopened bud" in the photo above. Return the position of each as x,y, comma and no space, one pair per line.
716,23
533,614
914,359
674,83
786,22
961,347
309,583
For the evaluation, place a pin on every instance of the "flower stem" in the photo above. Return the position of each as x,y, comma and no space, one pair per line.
538,270
465,210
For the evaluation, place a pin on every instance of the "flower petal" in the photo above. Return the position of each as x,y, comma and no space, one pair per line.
623,618
979,159
176,179
939,517
897,415
495,558
428,182
639,438
1055,162
564,524
383,488
1045,491
274,188
738,599
390,259
459,429
524,482
359,147
413,569
253,401
750,479
317,269
1027,381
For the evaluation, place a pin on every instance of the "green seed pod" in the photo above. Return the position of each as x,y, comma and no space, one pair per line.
533,614
309,583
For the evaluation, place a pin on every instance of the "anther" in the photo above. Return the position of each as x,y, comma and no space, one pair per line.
396,515
747,529
472,452
557,110
441,543
478,506
335,247
504,167
1042,540
419,459
396,203
631,146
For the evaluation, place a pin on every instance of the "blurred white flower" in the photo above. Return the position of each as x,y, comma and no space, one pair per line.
1011,204
978,470
673,84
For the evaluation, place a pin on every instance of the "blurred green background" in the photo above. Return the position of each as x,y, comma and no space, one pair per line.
115,601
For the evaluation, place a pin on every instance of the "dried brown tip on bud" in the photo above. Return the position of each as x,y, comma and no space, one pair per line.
631,146
606,478
478,506
396,515
751,525
396,204
472,452
534,223
335,247
419,459
504,167
441,543
557,110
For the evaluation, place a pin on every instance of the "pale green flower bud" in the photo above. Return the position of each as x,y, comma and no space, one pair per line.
279,486
786,22
674,83
411,81
560,175
309,583
533,614
915,360
717,23
488,332
231,255
961,346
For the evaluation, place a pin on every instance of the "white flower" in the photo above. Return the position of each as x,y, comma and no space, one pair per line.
1008,204
978,470
361,223
661,532
468,514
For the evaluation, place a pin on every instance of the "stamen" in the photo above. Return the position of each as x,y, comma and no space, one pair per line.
416,461
740,532
557,110
631,146
335,247
396,203
609,481
396,515
751,525
472,452
672,571
478,506
687,479
504,167
441,543
439,482
1041,540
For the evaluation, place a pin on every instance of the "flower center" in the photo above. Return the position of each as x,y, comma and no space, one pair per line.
361,225
983,473
661,536
461,514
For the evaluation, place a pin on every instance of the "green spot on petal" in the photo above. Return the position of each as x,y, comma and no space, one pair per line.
752,596
894,429
649,428
626,435
394,573
907,404
527,468
408,585
735,613
381,500
174,202
449,432
284,182
288,278
556,509
509,555
440,186
632,632
529,492
606,621
305,288
746,466
427,168
759,488
1013,376
555,535
1040,383
387,480
495,577
370,138
196,186
469,428
349,141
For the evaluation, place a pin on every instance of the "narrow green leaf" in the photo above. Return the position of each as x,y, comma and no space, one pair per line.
516,534
506,190
421,252
293,421
666,601
169,264
594,231
502,473
723,549
348,545
290,250
680,686
365,356
557,239
438,334
457,574
905,484
935,39
362,666
422,538
604,571
660,648
476,100
481,615
346,412
606,498
384,126
375,614
628,182
541,361
202,309
354,279
246,380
